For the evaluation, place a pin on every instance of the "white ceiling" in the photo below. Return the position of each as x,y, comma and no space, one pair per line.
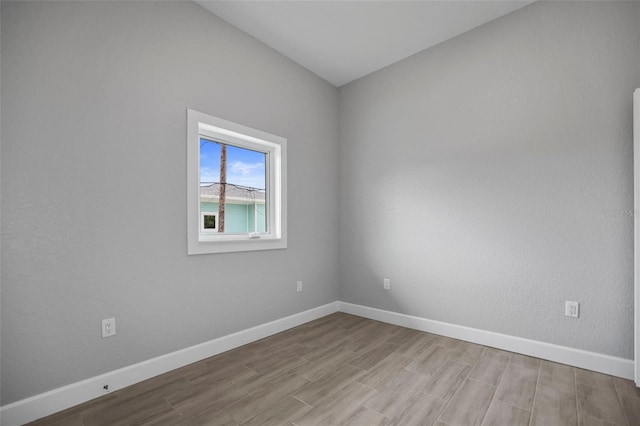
344,40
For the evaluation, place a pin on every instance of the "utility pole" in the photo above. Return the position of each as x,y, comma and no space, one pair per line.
223,186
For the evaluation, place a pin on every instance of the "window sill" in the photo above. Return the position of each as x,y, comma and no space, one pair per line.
237,245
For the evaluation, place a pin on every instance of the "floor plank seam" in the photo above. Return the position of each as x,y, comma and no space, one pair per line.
620,401
444,409
495,391
575,390
305,403
493,398
535,394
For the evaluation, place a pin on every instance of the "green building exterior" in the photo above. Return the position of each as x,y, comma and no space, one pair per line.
244,209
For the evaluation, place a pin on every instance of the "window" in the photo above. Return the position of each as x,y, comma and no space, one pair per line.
208,222
236,187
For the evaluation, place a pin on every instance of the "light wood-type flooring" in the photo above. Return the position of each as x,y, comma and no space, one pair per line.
343,369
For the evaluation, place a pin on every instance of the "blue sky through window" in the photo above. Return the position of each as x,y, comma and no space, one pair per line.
244,166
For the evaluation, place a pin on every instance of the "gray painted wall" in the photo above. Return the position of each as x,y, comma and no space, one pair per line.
490,177
93,185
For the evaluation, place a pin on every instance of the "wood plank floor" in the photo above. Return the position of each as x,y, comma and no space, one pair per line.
343,369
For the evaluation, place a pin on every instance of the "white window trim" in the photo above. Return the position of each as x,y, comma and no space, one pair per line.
200,124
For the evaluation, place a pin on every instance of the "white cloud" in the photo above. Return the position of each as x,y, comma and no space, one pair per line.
208,174
246,174
245,169
238,173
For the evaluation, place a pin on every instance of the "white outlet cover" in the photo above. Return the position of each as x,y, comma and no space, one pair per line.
572,309
387,284
108,327
299,286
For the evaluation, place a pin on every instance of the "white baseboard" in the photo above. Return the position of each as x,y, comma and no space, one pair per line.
47,403
601,363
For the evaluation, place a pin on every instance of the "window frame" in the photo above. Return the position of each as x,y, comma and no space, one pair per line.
204,230
200,125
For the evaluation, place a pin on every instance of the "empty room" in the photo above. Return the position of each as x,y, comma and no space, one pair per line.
319,213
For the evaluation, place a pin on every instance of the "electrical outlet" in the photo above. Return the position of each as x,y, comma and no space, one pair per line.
387,284
572,309
108,327
299,286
